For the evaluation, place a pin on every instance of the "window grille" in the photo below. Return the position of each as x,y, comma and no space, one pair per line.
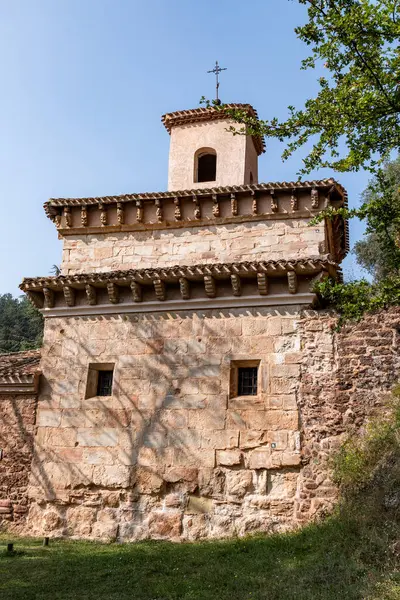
104,383
247,381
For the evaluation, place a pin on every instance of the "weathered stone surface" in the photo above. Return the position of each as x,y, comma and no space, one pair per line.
106,437
229,458
235,242
198,505
165,525
238,483
17,420
170,432
80,520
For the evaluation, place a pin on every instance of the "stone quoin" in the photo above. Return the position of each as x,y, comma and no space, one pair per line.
189,385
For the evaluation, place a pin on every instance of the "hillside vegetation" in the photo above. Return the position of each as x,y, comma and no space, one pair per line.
351,555
21,325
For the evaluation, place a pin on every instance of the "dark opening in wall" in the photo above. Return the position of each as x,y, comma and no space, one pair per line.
247,381
206,167
100,380
244,378
104,383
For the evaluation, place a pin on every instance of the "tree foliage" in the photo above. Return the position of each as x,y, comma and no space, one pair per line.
358,102
353,299
378,251
21,325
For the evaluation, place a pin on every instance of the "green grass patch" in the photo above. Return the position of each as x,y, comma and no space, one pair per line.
336,559
352,555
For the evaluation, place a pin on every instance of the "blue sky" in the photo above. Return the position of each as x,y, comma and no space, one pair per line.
85,82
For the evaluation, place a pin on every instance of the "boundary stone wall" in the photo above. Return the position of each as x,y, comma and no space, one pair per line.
346,378
172,456
17,421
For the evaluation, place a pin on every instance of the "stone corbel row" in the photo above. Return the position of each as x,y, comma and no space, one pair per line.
160,289
197,213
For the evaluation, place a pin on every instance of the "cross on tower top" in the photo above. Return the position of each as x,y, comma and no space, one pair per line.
217,70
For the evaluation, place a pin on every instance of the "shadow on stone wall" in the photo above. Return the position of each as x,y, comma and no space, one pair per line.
17,420
166,453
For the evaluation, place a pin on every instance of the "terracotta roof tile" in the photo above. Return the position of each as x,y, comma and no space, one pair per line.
196,115
168,274
275,186
19,363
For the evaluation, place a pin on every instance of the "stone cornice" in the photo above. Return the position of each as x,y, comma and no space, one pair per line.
204,114
230,302
179,284
17,383
200,193
272,268
196,208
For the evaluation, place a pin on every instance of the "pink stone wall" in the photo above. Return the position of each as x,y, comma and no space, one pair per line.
169,454
17,419
346,378
281,239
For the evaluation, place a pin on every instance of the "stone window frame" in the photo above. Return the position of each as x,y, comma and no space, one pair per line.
93,378
234,377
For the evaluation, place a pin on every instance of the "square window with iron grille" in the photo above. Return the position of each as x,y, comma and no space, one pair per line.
247,381
244,378
104,383
100,380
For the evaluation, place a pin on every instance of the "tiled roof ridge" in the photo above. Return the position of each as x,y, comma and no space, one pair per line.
207,110
31,351
21,363
210,113
284,185
175,271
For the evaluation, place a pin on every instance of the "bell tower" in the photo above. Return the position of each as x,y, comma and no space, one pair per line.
205,154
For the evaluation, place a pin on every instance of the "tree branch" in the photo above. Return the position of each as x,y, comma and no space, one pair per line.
354,46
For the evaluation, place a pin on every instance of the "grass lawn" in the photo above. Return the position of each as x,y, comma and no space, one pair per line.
330,561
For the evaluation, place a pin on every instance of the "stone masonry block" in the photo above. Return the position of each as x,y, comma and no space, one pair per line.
189,401
61,437
285,371
176,474
111,476
260,459
279,439
165,525
98,456
207,419
174,419
72,418
49,418
198,505
207,370
291,459
282,419
210,385
220,440
193,457
282,385
184,438
228,458
252,439
105,437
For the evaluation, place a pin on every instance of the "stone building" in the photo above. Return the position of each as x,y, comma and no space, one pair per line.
174,400
19,383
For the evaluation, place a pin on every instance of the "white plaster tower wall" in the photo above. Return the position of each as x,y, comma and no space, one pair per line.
236,155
